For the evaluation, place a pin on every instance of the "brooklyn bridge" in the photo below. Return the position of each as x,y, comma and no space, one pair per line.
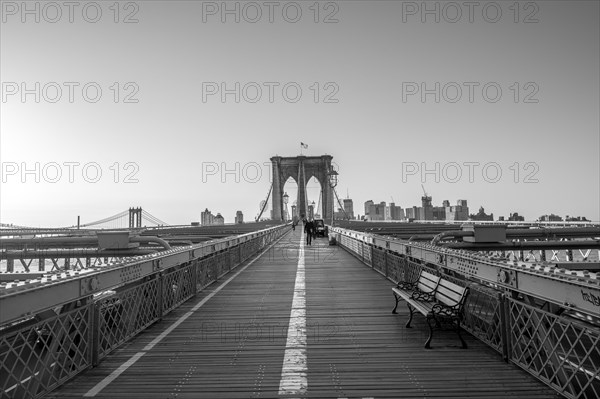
130,306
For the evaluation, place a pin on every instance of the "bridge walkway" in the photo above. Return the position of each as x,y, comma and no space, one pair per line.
280,327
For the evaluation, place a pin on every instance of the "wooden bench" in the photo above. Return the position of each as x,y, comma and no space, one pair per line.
439,300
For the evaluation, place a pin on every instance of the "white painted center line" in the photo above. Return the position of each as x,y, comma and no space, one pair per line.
294,371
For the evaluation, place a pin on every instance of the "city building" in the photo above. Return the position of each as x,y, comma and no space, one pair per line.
239,217
375,211
458,212
426,212
482,216
412,213
367,207
576,219
395,212
515,217
349,208
439,212
207,218
550,218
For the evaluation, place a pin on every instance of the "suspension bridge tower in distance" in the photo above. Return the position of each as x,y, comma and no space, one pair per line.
135,218
301,169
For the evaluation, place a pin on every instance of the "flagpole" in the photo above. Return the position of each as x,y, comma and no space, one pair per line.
302,146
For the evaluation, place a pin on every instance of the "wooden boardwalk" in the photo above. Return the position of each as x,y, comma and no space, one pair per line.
232,343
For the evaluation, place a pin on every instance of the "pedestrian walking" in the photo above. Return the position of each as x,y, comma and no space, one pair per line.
309,229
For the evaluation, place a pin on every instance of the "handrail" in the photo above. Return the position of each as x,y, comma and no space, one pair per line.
577,290
22,298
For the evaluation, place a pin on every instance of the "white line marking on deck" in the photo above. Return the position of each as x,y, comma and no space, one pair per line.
109,379
102,384
294,371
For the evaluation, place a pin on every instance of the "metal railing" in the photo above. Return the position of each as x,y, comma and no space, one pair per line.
40,353
561,351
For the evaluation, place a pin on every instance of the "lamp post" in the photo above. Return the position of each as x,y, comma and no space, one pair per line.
333,180
285,202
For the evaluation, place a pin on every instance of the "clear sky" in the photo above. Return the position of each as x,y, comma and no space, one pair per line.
498,103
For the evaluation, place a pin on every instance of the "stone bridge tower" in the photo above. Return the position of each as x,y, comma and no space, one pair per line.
301,169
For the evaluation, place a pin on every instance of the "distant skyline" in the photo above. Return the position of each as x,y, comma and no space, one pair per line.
172,109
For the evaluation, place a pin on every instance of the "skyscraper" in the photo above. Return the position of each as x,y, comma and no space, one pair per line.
426,208
458,212
367,206
206,218
239,217
349,208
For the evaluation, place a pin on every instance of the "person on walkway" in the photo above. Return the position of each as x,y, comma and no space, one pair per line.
309,228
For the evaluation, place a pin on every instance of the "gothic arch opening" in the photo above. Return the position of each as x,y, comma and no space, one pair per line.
290,187
314,196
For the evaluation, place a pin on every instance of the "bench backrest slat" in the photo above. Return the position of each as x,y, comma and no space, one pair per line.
427,281
448,293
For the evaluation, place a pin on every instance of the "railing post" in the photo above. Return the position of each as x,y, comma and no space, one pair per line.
362,251
95,329
195,276
160,294
504,325
385,262
215,266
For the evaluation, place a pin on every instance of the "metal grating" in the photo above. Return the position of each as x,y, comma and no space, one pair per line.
395,267
222,263
125,314
563,353
234,257
40,357
482,316
178,286
205,273
366,253
379,260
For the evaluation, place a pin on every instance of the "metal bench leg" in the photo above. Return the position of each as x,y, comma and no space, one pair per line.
395,307
410,308
431,321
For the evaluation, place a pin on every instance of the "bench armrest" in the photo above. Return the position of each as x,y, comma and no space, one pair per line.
406,285
422,296
450,311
